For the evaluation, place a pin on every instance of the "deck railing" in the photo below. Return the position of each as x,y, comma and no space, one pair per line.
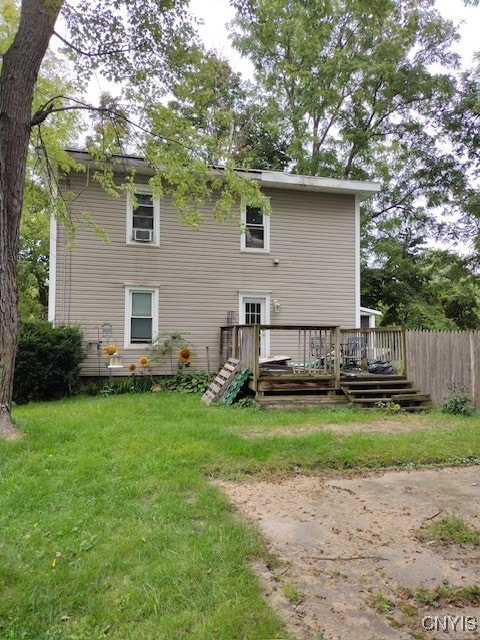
310,350
361,348
304,350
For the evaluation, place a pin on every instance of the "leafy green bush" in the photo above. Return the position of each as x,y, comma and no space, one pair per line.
140,383
48,361
458,404
132,384
188,382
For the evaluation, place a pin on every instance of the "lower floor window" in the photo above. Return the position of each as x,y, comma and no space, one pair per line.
141,317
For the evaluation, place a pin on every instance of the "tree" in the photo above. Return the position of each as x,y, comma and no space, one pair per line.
223,111
418,287
33,260
21,64
145,45
353,84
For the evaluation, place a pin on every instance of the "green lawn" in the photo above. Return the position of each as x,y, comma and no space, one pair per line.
110,527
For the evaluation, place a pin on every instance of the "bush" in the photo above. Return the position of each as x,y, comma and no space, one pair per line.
48,361
188,382
458,404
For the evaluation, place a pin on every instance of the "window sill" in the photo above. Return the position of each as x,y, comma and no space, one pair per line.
132,243
253,250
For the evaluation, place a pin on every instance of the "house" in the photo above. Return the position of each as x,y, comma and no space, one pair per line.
157,276
368,317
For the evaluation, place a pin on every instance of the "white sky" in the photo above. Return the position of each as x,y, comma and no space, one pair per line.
216,13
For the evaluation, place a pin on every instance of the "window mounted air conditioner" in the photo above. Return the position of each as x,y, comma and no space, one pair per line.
143,235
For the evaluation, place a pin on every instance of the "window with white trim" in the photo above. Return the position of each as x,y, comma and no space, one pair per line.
141,315
256,230
143,217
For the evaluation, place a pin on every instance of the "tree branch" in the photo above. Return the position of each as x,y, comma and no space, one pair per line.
395,204
93,54
49,107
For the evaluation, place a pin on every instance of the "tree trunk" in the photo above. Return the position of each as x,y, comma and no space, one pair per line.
18,77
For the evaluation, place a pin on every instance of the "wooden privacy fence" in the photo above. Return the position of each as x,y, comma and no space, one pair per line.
441,362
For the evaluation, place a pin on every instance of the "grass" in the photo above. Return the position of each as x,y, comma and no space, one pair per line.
109,527
450,529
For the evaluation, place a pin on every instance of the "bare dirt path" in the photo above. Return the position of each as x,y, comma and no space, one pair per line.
349,556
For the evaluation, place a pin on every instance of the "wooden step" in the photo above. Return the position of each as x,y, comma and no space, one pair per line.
418,407
358,392
424,397
357,384
370,377
316,386
295,401
394,399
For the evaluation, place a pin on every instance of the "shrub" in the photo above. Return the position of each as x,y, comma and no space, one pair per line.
458,404
48,361
188,382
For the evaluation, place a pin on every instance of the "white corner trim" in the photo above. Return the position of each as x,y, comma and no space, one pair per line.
52,268
358,199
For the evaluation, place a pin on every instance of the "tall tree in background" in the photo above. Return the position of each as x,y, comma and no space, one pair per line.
223,109
352,81
369,89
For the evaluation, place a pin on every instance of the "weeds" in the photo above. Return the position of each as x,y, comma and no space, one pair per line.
458,404
449,529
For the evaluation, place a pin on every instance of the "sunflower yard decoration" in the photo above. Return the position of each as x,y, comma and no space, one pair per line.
110,350
185,356
144,362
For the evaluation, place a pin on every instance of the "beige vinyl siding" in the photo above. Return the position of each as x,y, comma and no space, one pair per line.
199,273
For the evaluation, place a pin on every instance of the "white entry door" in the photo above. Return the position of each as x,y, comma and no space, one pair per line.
255,309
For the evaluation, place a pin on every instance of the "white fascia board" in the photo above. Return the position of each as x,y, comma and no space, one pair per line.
276,179
370,312
362,190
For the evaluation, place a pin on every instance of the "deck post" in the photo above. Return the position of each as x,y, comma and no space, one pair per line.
404,349
256,356
236,350
336,361
220,354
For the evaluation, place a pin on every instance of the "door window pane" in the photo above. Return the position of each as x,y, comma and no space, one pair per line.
253,313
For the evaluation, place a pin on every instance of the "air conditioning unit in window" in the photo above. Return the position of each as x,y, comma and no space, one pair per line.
143,235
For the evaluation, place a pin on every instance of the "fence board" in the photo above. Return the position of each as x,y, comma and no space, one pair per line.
441,362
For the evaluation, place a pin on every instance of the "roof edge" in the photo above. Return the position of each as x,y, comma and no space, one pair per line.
273,179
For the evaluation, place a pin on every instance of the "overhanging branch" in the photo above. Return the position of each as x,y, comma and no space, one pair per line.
49,107
94,54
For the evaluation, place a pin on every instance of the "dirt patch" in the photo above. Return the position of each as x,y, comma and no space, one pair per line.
349,560
382,425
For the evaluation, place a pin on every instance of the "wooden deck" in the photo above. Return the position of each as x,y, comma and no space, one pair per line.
322,365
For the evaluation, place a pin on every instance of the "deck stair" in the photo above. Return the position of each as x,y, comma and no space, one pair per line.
275,390
368,392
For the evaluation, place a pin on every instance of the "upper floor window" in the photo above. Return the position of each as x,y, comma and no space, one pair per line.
256,234
143,217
